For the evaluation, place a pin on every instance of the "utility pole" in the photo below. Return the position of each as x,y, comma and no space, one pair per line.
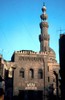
60,30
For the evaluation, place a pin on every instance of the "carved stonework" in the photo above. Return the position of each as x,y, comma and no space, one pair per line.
31,86
30,58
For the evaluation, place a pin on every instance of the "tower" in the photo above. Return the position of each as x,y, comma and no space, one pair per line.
44,37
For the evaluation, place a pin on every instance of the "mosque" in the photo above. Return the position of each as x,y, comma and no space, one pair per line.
32,72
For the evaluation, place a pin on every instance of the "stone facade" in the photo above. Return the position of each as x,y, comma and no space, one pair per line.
32,65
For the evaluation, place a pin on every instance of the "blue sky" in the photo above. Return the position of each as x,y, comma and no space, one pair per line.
19,25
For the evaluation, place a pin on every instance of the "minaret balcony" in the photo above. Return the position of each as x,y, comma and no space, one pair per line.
44,24
45,37
44,16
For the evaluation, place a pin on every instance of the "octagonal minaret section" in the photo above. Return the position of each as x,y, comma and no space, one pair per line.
44,37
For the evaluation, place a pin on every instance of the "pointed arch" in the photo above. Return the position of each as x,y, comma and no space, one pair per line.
31,73
22,72
40,73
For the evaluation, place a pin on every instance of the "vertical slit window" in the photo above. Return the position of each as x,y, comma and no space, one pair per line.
22,73
48,79
40,74
31,73
48,68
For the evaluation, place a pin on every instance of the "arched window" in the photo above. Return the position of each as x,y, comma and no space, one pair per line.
48,79
48,68
40,74
31,73
22,72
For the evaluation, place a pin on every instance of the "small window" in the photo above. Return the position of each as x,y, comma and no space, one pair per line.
31,73
40,74
22,73
54,80
48,79
48,68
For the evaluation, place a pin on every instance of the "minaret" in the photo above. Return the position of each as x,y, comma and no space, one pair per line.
44,37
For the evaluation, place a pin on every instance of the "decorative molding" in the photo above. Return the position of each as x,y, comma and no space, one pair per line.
30,58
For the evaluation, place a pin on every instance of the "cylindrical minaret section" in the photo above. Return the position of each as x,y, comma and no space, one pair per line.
44,37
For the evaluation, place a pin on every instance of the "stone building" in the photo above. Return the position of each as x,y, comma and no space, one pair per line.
33,71
62,64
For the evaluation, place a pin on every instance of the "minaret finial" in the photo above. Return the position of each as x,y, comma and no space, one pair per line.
43,3
44,15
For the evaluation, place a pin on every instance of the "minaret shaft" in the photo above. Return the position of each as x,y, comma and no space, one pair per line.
44,37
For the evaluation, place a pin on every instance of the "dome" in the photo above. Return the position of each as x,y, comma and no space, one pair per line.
51,51
52,55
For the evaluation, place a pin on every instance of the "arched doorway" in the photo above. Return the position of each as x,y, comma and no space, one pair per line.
30,95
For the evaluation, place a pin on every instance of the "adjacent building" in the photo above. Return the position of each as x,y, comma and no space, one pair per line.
62,64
